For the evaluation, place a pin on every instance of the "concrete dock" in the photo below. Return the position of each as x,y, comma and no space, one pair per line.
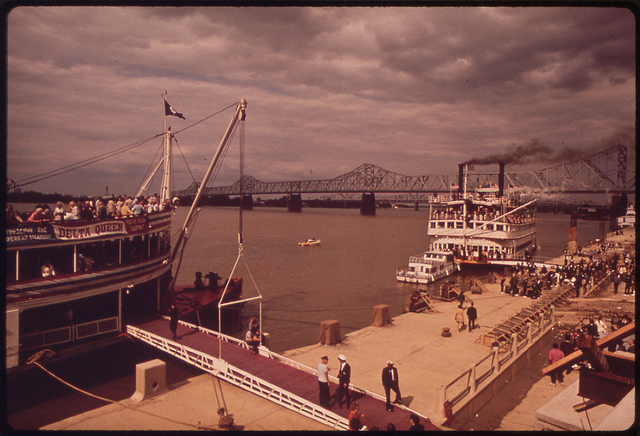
426,361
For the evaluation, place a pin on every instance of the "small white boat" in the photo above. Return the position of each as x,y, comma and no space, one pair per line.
428,267
309,242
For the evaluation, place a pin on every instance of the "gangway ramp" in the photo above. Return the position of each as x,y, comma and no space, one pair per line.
268,375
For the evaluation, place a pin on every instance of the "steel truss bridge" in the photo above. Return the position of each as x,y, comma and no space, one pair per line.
605,172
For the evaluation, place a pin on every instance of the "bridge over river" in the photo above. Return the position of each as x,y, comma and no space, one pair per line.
605,172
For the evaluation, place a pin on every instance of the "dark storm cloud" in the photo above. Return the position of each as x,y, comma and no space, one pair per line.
415,90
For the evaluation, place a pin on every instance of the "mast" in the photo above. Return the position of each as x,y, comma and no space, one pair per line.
165,189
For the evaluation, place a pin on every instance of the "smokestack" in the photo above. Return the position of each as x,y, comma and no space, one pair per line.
460,177
501,180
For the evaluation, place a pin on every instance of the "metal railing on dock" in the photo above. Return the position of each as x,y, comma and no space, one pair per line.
476,378
243,379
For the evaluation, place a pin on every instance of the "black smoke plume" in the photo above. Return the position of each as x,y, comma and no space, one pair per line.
532,153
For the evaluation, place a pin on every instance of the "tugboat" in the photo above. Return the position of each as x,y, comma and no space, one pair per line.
72,282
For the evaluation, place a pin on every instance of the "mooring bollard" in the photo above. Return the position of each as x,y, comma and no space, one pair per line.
445,332
330,332
380,315
151,379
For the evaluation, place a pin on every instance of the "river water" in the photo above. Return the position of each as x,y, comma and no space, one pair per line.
343,279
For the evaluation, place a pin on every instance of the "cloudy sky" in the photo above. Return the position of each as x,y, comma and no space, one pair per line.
413,90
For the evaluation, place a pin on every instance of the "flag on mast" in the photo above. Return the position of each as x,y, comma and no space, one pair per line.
168,110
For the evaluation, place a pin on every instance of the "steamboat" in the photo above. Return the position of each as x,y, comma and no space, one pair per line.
482,225
71,283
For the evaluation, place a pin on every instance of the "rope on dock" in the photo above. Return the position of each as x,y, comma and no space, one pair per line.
197,427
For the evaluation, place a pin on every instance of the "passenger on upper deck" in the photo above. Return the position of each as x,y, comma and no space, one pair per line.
137,208
36,216
73,213
12,215
101,210
58,213
111,209
48,214
125,210
85,210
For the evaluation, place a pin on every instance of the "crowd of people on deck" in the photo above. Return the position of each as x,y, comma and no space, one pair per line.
92,209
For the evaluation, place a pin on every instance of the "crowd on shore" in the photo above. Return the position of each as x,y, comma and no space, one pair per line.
529,281
91,209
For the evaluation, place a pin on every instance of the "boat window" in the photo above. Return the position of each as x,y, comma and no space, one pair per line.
450,224
56,259
499,227
459,225
432,224
489,226
97,255
441,224
134,249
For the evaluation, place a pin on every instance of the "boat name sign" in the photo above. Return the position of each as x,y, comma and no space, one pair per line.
130,226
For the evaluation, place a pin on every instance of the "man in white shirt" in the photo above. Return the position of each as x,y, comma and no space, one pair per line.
323,382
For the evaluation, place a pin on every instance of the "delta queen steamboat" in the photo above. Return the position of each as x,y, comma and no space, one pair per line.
73,282
483,225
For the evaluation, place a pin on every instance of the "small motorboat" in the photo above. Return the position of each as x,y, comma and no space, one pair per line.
309,242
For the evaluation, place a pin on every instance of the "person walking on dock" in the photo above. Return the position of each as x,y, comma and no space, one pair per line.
390,381
323,382
472,314
554,355
344,378
173,321
459,317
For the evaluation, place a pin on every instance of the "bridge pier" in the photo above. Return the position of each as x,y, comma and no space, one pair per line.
368,204
294,203
247,202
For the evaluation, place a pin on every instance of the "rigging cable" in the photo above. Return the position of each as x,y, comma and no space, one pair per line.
112,401
184,159
240,246
83,163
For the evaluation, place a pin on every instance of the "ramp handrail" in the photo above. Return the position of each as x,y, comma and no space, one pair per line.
476,378
264,351
238,377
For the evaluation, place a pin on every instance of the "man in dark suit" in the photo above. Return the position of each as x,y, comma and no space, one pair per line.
472,314
390,381
344,378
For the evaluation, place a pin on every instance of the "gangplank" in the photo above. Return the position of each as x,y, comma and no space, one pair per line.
269,375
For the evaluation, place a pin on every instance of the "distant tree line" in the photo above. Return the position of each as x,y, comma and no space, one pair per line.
38,197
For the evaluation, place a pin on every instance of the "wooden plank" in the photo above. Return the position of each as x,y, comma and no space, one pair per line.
578,355
589,404
593,353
